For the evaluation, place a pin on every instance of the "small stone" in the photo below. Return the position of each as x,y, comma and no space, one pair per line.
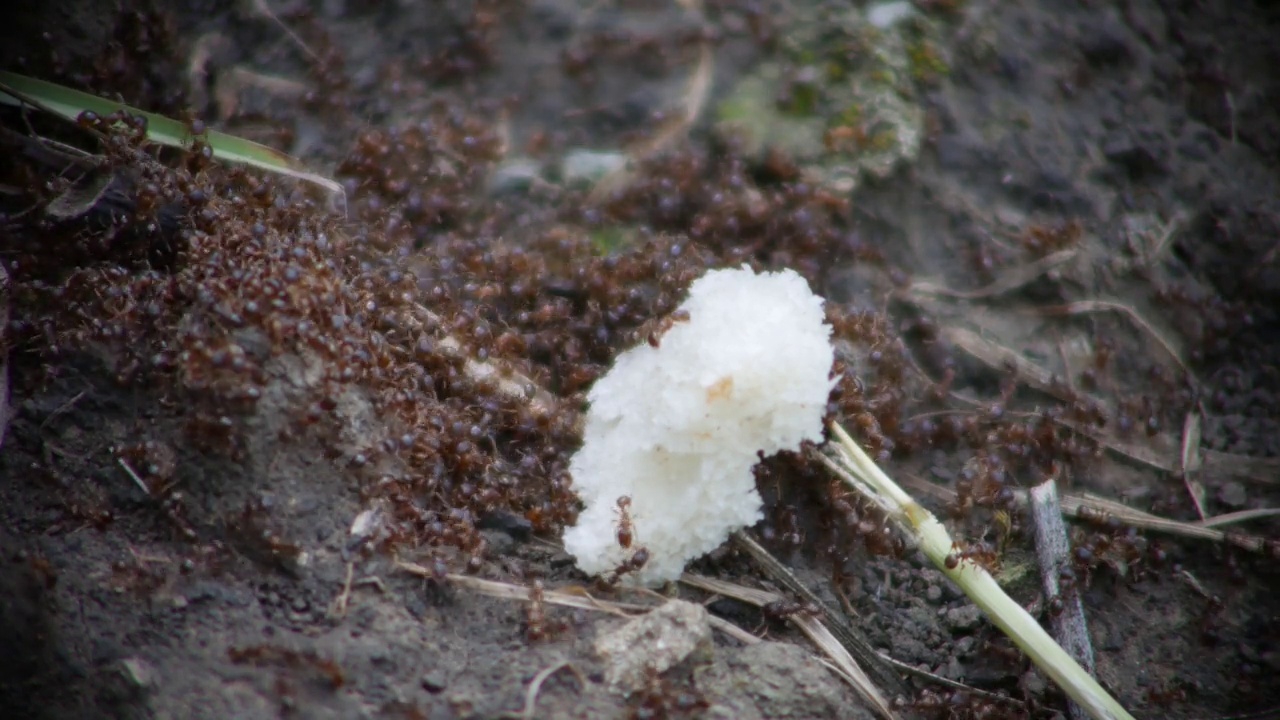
933,594
138,672
498,543
433,681
588,167
963,619
131,678
952,669
653,643
1033,684
513,176
883,16
1232,494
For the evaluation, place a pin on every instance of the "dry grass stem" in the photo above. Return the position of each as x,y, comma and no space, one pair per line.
1161,447
1079,507
234,81
1239,516
341,603
851,464
850,637
1009,280
1191,460
815,630
133,475
260,8
575,597
1084,307
535,686
999,357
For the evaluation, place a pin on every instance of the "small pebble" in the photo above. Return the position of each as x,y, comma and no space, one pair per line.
933,594
963,619
952,669
588,167
1232,494
1033,684
433,681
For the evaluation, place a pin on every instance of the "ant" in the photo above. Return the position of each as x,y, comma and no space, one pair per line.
979,553
780,610
633,563
1056,606
626,531
536,614
665,324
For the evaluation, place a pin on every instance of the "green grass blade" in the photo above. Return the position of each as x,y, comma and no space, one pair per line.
67,103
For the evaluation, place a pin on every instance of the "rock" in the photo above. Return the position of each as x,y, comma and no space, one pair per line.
1033,684
138,673
1232,494
951,669
885,15
777,681
933,593
433,681
515,175
656,641
963,619
129,680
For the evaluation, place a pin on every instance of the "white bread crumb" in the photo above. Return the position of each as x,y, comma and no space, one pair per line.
677,427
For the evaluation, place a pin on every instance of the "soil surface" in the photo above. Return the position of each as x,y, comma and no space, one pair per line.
1048,233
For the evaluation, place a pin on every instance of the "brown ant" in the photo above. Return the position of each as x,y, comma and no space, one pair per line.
655,335
780,610
633,563
1166,695
535,614
626,530
328,671
1056,606
979,553
664,698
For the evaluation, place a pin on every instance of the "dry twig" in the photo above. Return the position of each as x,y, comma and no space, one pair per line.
1053,553
1088,507
1191,460
574,597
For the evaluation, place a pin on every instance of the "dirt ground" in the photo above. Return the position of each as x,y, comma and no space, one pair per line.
1050,230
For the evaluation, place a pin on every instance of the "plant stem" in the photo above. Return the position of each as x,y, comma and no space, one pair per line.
856,468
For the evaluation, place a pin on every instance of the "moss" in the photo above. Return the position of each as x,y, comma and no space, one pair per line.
927,63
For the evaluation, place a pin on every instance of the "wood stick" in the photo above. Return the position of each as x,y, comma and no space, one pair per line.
1053,551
